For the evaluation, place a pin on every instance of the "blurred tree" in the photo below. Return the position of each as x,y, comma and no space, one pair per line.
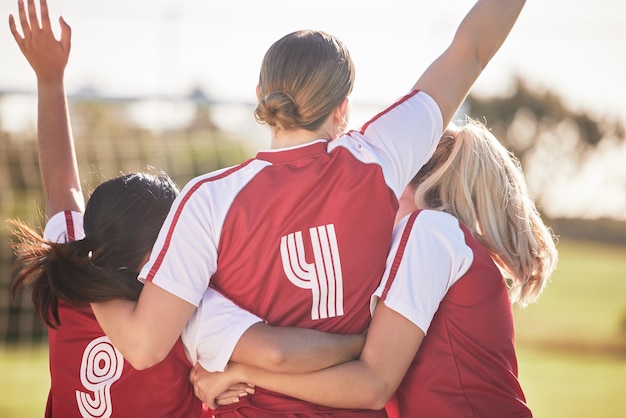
1,119
551,140
203,119
521,119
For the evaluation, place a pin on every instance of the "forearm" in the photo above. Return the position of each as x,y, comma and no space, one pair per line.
144,331
480,35
320,351
487,25
350,385
120,323
57,157
295,350
367,383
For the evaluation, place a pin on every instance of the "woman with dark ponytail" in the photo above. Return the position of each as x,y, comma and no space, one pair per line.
121,222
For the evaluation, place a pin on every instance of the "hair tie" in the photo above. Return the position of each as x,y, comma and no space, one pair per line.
86,246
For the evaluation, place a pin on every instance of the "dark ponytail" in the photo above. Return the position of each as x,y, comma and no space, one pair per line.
122,220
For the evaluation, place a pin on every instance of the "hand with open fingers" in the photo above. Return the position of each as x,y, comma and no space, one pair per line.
219,388
47,55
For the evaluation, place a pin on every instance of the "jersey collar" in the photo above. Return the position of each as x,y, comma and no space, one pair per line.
285,155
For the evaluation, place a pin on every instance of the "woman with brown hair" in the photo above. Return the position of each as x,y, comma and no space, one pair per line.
469,241
294,235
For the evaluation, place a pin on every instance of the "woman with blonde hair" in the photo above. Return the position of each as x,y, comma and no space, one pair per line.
475,178
469,241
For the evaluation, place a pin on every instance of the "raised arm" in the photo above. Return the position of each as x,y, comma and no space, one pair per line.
48,57
479,36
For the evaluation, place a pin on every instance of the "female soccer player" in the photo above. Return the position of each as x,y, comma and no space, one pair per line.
470,241
294,235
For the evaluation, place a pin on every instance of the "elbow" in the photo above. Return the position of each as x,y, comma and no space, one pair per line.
376,396
143,364
376,402
141,359
373,401
478,58
367,392
276,359
477,53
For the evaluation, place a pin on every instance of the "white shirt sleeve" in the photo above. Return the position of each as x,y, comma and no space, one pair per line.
434,258
64,227
214,329
184,256
401,139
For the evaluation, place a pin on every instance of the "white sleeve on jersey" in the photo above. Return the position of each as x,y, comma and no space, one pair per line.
56,229
434,258
185,252
400,139
214,329
184,256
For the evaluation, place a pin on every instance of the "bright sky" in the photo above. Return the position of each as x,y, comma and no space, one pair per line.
154,47
129,47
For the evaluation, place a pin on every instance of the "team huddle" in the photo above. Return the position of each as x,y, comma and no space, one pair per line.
348,273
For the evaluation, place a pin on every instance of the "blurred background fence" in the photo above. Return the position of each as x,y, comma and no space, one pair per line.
106,145
538,127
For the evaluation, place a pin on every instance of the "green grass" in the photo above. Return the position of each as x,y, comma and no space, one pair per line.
563,385
24,382
584,305
571,344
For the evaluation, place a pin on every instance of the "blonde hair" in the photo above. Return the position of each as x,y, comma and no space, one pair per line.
473,177
304,76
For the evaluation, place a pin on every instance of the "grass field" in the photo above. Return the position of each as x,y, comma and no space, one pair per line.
571,344
24,382
560,384
584,305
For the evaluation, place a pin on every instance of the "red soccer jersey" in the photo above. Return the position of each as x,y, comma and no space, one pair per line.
298,236
466,365
90,378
